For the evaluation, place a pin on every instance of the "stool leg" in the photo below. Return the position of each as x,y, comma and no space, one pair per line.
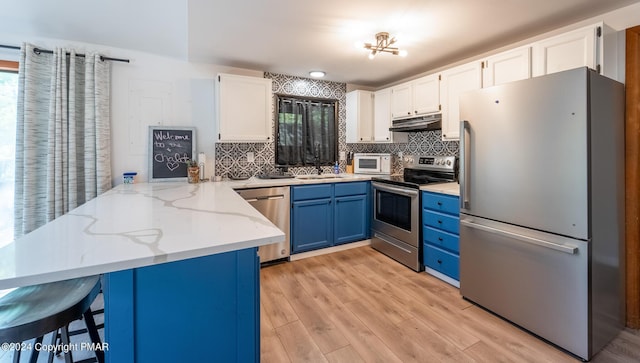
64,336
35,352
54,340
93,333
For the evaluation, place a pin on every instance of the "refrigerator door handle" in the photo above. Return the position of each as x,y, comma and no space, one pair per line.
464,165
572,250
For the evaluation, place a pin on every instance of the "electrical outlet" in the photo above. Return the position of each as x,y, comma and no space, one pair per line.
250,157
343,156
400,154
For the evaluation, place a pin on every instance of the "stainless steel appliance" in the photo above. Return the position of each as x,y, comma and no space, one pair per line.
369,163
273,203
396,221
423,123
542,206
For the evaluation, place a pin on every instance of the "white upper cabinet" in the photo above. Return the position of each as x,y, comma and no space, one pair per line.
382,119
415,98
577,48
454,81
426,95
509,66
244,109
359,116
369,117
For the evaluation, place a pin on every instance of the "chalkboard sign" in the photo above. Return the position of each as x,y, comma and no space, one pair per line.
169,150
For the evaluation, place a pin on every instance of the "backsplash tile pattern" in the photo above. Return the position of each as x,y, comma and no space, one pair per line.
231,160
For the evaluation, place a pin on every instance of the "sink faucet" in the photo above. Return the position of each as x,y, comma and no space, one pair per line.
316,158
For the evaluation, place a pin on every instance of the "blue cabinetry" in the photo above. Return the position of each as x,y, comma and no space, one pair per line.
195,310
311,218
440,233
325,215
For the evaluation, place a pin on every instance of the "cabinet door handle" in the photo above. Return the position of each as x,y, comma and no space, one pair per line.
439,221
439,203
440,239
439,261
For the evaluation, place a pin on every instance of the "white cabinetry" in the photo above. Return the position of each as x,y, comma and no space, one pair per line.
509,66
415,98
577,48
369,117
382,119
360,116
243,108
454,81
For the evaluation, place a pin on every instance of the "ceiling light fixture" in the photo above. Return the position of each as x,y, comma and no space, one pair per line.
317,74
383,44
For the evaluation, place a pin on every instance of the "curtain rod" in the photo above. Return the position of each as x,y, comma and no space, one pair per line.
38,51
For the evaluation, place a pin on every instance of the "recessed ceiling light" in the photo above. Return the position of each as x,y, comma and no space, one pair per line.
317,74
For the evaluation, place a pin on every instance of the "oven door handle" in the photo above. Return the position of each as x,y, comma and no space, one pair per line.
390,189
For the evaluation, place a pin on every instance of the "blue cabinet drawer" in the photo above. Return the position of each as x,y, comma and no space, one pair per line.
442,261
353,188
441,221
313,191
441,202
441,239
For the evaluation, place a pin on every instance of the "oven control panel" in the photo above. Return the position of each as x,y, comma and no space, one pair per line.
444,163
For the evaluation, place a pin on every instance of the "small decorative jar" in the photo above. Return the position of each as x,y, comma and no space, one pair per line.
193,172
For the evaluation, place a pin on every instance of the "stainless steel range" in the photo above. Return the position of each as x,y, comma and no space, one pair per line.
396,224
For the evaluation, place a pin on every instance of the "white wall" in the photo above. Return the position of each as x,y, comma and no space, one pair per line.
153,90
150,90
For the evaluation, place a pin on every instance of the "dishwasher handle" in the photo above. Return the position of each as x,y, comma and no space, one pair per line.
266,197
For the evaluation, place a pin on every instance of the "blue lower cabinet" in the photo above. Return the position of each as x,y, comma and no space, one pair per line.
201,309
440,234
350,219
442,261
329,214
312,225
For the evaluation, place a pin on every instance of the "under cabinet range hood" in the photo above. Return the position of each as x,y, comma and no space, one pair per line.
423,123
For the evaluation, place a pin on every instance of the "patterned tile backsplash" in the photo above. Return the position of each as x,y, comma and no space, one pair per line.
231,160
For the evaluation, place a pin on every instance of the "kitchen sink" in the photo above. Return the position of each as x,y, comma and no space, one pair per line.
321,176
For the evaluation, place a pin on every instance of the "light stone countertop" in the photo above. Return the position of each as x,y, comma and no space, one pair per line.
136,225
451,188
255,182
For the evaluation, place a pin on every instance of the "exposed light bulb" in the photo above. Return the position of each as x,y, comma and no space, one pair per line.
403,53
372,55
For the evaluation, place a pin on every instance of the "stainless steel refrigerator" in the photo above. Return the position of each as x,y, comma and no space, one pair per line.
542,206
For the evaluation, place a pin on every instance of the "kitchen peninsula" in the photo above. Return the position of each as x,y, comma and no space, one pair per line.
181,273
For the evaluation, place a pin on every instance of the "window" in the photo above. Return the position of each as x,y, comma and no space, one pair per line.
8,109
306,131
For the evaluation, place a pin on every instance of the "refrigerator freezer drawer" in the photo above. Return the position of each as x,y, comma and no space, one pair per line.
536,280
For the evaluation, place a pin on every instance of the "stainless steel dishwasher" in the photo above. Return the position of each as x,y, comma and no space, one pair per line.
273,203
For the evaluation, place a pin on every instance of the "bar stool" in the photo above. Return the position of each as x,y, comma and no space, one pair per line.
33,311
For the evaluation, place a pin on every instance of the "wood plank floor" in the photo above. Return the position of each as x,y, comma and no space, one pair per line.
360,306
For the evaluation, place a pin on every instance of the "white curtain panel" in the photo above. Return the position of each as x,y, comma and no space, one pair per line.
63,134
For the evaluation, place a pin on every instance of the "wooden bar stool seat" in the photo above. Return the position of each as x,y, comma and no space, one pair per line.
33,311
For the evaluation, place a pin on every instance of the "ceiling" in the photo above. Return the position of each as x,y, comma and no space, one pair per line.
296,36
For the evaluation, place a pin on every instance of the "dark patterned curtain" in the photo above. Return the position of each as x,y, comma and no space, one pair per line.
306,130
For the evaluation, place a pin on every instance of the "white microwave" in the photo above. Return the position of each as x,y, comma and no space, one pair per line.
366,163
